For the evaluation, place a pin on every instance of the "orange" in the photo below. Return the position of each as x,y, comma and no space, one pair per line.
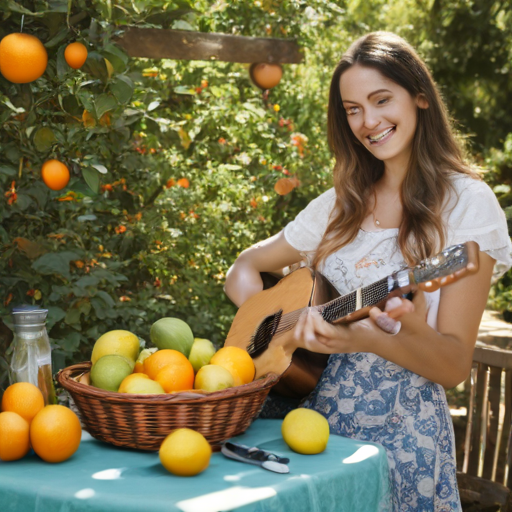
185,452
23,58
75,55
238,362
166,357
55,174
14,436
266,76
176,377
88,119
55,433
24,399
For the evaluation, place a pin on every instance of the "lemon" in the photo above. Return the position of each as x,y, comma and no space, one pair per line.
121,343
212,377
185,452
305,431
109,371
140,384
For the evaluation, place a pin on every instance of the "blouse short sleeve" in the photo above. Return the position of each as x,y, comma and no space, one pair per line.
475,215
307,229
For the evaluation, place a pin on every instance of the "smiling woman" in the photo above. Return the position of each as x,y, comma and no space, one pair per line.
402,192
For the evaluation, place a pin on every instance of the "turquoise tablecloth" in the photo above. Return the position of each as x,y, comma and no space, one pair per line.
349,476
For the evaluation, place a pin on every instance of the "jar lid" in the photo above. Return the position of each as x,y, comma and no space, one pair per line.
29,316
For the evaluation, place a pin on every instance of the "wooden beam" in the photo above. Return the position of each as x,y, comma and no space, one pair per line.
154,43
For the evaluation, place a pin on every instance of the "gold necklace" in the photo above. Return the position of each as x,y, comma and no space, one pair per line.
375,220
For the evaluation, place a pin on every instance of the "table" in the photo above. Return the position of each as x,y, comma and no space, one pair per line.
349,476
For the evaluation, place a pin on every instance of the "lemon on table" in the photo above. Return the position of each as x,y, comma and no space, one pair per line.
119,342
109,371
305,431
185,452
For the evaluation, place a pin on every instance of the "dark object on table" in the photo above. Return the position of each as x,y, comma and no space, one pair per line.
253,455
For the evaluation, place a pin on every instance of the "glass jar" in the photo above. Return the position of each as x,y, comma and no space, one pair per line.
32,358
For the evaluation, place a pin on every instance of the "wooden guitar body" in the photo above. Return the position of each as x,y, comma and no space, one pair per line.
300,368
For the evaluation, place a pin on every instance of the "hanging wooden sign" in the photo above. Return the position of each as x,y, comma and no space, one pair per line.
154,43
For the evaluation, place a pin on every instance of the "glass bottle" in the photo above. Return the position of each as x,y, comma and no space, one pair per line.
31,358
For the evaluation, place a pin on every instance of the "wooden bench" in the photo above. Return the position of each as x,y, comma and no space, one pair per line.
486,470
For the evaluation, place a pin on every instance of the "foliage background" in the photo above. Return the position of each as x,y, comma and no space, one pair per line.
174,163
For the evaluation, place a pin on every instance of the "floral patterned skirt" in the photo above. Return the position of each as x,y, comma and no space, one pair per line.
366,397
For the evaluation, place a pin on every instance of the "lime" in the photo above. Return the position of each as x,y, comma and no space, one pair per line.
109,371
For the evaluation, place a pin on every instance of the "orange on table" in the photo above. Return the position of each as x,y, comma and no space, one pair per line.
24,399
55,174
75,55
176,377
55,433
14,436
161,358
23,58
127,380
237,361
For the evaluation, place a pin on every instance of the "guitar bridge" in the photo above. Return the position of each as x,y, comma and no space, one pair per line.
261,339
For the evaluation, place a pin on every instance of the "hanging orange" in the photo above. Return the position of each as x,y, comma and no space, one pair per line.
23,58
265,76
75,55
55,174
284,186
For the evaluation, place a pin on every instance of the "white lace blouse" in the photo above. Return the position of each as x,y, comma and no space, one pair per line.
472,214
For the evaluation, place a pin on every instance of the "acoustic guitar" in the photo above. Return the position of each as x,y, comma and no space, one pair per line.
264,324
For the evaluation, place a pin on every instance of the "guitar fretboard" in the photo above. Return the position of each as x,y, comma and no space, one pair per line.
346,304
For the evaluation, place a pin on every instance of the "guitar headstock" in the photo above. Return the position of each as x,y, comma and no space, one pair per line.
446,267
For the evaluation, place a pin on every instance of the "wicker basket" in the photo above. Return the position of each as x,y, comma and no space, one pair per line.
143,421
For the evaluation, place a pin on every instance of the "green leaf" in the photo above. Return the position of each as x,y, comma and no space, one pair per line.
122,88
55,314
62,65
16,7
92,178
116,57
100,168
55,263
44,139
95,65
23,201
103,104
182,25
8,171
183,89
84,218
57,38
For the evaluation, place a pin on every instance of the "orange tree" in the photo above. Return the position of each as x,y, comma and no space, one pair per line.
173,166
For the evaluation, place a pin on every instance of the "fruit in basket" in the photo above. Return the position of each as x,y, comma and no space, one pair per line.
237,361
176,377
305,431
172,333
212,377
185,452
160,359
55,433
14,436
24,399
119,342
201,353
144,354
140,384
109,371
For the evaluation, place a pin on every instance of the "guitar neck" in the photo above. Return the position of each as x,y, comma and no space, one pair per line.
361,299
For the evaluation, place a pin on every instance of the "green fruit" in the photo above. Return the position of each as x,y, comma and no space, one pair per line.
119,342
201,353
109,371
172,333
213,378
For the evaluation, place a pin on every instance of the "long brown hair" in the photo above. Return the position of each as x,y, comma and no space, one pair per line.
436,153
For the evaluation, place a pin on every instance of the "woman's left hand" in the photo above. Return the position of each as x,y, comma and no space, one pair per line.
317,335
